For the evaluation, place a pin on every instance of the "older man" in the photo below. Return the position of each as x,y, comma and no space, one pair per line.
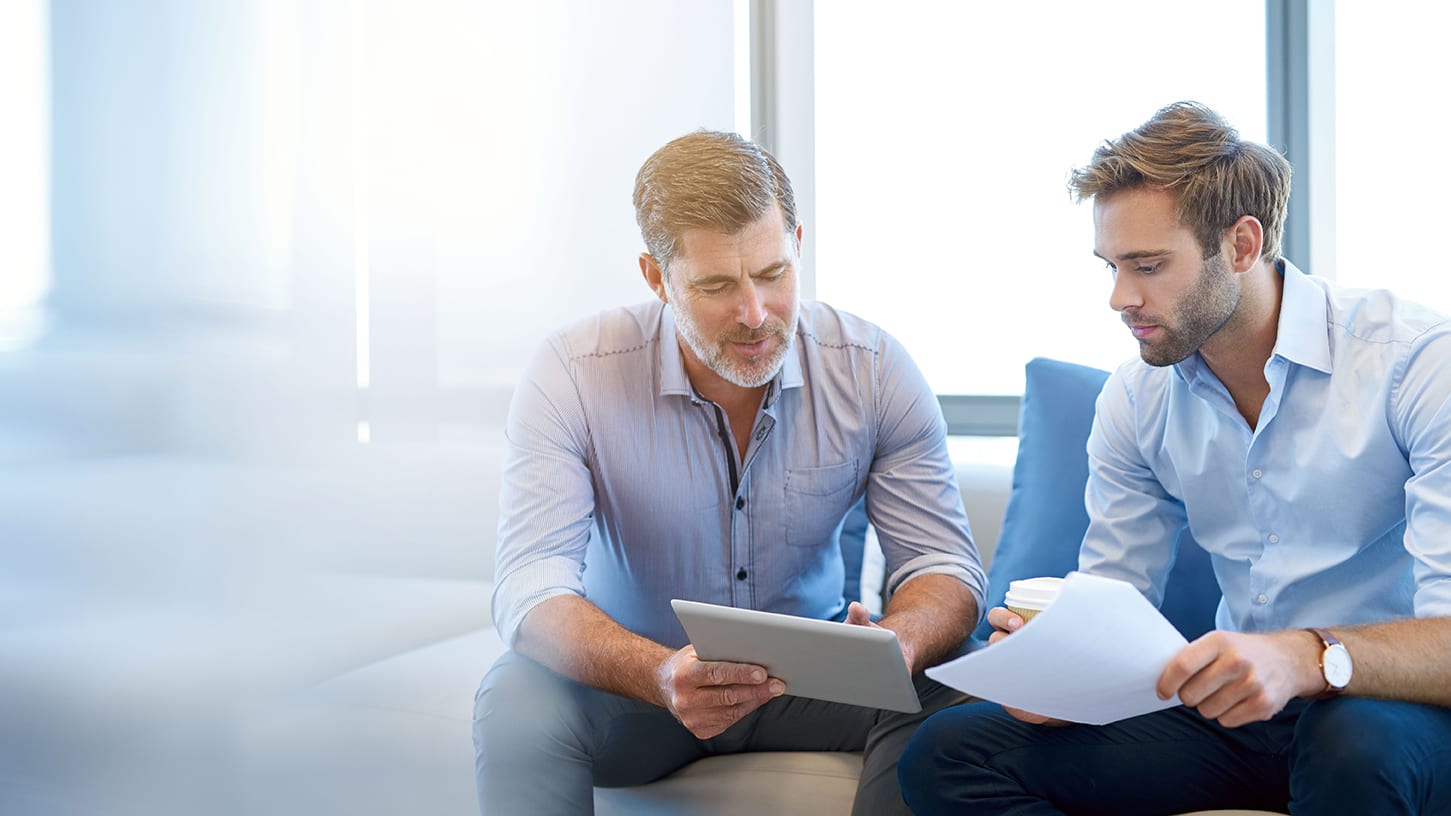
708,445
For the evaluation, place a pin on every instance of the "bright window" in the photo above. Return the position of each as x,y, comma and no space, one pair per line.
1391,180
944,136
24,156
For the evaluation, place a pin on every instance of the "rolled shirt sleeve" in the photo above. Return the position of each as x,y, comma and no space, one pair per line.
913,498
546,500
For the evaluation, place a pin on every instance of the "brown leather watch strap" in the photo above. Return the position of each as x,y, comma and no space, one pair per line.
1326,641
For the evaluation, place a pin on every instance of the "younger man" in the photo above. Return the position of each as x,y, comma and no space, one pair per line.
1302,432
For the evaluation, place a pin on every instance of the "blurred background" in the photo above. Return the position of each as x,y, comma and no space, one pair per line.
269,270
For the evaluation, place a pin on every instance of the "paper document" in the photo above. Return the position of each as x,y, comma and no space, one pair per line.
1093,656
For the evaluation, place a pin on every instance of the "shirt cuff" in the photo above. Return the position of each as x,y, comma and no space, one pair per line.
971,575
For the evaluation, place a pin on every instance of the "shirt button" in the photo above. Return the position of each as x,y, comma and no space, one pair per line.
741,574
1274,539
1257,473
740,503
1264,599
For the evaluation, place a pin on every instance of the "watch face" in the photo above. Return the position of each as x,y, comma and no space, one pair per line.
1337,666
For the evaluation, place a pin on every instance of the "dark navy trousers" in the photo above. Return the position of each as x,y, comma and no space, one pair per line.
1342,756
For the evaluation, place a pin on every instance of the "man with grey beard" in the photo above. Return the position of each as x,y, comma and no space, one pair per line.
708,445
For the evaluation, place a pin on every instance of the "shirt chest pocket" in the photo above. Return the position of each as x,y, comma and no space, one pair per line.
816,501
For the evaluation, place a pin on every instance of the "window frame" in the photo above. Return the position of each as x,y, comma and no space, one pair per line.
1299,55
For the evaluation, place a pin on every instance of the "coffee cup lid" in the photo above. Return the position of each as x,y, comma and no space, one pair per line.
1033,593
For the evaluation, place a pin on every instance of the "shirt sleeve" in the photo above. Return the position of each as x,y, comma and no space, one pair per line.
1421,416
912,496
546,498
1133,522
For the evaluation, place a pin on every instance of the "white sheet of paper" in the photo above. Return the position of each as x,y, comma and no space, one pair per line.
1093,656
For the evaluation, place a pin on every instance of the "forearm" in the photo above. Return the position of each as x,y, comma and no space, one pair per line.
932,615
578,640
1407,660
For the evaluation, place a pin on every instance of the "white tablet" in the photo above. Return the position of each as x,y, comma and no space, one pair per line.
823,660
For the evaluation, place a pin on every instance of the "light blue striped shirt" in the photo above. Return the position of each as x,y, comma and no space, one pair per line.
1334,510
617,485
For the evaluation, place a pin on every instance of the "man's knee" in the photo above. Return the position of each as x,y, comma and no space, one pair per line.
1378,753
949,751
1347,735
521,704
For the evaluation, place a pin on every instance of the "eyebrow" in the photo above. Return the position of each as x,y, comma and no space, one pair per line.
723,278
1137,254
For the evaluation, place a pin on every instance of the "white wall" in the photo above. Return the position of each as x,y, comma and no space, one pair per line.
181,471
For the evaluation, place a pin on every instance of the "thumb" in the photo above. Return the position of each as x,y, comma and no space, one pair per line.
857,615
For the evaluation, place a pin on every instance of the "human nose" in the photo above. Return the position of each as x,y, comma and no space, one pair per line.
1124,294
752,310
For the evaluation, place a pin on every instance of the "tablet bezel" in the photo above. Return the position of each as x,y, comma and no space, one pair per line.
823,660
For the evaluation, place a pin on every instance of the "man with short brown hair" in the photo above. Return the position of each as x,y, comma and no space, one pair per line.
1302,433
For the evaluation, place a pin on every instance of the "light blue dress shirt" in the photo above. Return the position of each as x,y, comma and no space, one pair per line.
1334,510
617,481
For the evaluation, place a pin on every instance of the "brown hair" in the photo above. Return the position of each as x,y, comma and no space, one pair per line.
1191,151
707,179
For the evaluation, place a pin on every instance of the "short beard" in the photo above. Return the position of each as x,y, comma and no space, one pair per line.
751,375
1198,317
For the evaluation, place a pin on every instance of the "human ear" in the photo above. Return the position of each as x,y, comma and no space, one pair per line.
654,276
1246,238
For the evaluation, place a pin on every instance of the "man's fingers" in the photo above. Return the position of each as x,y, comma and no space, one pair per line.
713,722
722,673
1236,704
857,614
1257,707
1228,677
1004,620
734,695
719,707
1188,662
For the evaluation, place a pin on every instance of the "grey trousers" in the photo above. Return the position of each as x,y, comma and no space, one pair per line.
543,742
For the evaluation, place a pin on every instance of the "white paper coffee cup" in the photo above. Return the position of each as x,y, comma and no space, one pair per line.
1030,596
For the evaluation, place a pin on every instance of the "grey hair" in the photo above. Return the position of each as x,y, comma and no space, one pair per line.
707,179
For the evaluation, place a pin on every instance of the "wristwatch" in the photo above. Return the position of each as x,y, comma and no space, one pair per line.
1335,665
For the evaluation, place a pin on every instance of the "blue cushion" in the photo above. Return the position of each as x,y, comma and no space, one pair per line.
1045,519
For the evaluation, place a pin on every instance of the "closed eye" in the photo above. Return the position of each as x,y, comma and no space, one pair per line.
1142,269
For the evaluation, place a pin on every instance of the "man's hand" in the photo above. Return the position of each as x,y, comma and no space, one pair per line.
1238,678
857,615
1004,623
709,697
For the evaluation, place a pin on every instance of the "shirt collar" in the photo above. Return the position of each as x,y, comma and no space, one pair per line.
790,375
675,381
1303,334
